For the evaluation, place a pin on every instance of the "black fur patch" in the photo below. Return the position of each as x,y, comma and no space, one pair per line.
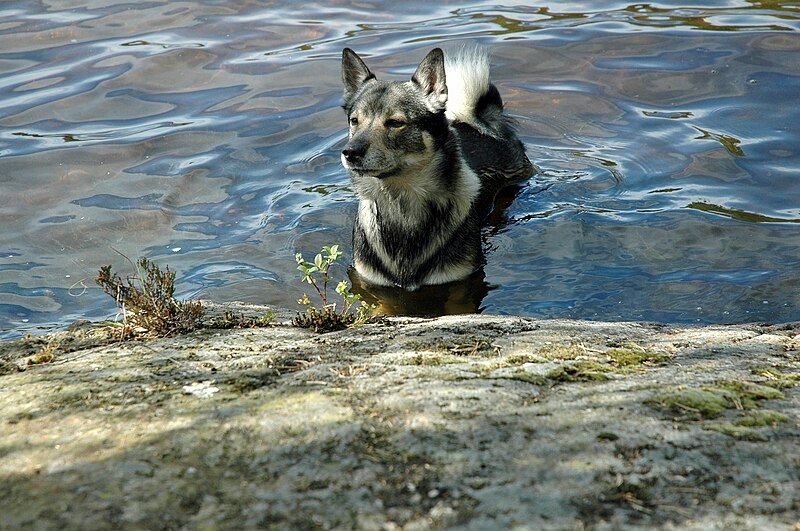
490,99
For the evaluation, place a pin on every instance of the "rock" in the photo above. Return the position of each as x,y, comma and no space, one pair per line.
472,422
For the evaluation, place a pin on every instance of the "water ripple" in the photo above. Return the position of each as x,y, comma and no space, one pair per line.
207,135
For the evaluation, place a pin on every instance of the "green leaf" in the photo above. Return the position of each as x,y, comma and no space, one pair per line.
332,253
318,261
342,288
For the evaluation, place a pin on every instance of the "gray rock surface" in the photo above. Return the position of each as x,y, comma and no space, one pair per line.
468,422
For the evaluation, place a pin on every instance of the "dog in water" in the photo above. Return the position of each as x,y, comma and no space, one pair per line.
426,158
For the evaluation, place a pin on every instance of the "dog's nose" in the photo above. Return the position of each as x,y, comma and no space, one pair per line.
354,152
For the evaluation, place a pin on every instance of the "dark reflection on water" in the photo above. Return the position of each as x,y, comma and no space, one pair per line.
206,135
463,296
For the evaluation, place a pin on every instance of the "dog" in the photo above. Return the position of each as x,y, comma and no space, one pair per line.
426,158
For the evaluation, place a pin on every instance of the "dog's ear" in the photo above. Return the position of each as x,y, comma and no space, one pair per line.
354,73
430,79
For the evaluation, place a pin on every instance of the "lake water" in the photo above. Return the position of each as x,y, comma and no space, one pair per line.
206,135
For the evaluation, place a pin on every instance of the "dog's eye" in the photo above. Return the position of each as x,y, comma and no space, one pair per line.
354,121
394,124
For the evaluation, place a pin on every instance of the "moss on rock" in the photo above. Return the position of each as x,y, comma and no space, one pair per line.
630,358
693,403
711,401
741,433
581,371
761,417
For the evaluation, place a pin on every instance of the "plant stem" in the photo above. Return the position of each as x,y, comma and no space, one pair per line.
314,283
325,282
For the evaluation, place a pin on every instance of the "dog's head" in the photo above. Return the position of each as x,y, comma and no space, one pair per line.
396,128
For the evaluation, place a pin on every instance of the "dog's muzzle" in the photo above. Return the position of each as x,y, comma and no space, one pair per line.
353,159
354,153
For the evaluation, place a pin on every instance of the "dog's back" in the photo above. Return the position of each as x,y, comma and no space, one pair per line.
426,158
487,137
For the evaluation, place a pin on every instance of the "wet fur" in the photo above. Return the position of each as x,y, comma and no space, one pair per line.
426,158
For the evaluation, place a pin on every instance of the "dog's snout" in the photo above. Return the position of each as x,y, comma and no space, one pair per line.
354,152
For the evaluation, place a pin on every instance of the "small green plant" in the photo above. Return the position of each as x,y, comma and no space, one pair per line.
328,318
47,354
147,301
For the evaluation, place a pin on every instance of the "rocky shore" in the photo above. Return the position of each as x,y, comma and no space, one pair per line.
469,422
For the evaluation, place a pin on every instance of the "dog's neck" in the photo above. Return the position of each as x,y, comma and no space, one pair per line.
405,197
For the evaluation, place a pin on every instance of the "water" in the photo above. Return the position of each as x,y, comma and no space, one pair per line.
206,135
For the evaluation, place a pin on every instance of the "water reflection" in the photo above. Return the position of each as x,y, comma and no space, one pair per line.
464,296
741,215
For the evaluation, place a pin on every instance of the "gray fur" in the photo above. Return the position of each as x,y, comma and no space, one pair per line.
425,173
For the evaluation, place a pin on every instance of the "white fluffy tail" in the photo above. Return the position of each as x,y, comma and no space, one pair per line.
467,78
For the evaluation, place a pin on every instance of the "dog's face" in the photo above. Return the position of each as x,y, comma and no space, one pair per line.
395,128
